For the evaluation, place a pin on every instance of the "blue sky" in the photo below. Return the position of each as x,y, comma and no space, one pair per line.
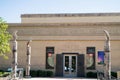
10,10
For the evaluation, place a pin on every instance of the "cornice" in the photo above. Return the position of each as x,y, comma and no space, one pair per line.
68,15
63,24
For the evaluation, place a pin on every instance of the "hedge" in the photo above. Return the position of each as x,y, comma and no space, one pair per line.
40,73
94,74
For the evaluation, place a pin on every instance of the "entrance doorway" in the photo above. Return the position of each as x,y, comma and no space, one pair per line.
70,65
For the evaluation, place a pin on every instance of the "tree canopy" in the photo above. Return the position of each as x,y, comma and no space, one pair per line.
5,37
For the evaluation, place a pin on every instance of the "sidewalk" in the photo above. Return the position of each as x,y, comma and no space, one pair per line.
57,79
50,79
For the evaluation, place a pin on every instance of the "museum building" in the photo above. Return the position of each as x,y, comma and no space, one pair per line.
67,44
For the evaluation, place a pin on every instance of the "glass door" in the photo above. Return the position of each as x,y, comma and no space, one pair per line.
70,65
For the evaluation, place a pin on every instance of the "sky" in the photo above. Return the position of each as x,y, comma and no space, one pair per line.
11,10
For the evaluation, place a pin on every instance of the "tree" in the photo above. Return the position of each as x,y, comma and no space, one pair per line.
5,37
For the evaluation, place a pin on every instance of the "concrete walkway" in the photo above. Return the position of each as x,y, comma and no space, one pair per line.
51,79
57,79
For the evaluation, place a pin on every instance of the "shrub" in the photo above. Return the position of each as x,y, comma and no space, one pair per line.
43,73
33,73
40,73
114,74
49,73
1,74
1,70
92,75
24,73
5,74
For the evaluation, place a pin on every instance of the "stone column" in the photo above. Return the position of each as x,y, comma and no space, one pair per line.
107,58
14,51
28,59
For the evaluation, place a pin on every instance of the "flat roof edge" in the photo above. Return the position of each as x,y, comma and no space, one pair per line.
69,15
64,24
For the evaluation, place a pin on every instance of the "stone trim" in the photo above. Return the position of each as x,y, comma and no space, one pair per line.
62,24
67,38
69,15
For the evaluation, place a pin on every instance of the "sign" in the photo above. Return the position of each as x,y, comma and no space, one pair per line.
101,57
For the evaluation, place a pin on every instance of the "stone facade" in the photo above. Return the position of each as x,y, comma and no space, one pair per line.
67,33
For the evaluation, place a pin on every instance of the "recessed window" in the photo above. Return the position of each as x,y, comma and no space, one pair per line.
49,57
90,58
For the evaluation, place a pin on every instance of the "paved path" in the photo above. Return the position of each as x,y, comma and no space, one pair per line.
51,79
57,79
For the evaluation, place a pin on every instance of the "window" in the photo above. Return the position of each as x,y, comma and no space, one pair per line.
49,57
90,58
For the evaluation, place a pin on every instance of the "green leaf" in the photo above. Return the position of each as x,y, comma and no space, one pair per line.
5,37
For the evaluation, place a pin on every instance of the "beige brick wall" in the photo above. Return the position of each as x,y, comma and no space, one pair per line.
38,55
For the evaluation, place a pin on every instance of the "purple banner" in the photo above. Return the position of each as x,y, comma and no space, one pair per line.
101,57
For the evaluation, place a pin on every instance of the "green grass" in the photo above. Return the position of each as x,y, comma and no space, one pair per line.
4,74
